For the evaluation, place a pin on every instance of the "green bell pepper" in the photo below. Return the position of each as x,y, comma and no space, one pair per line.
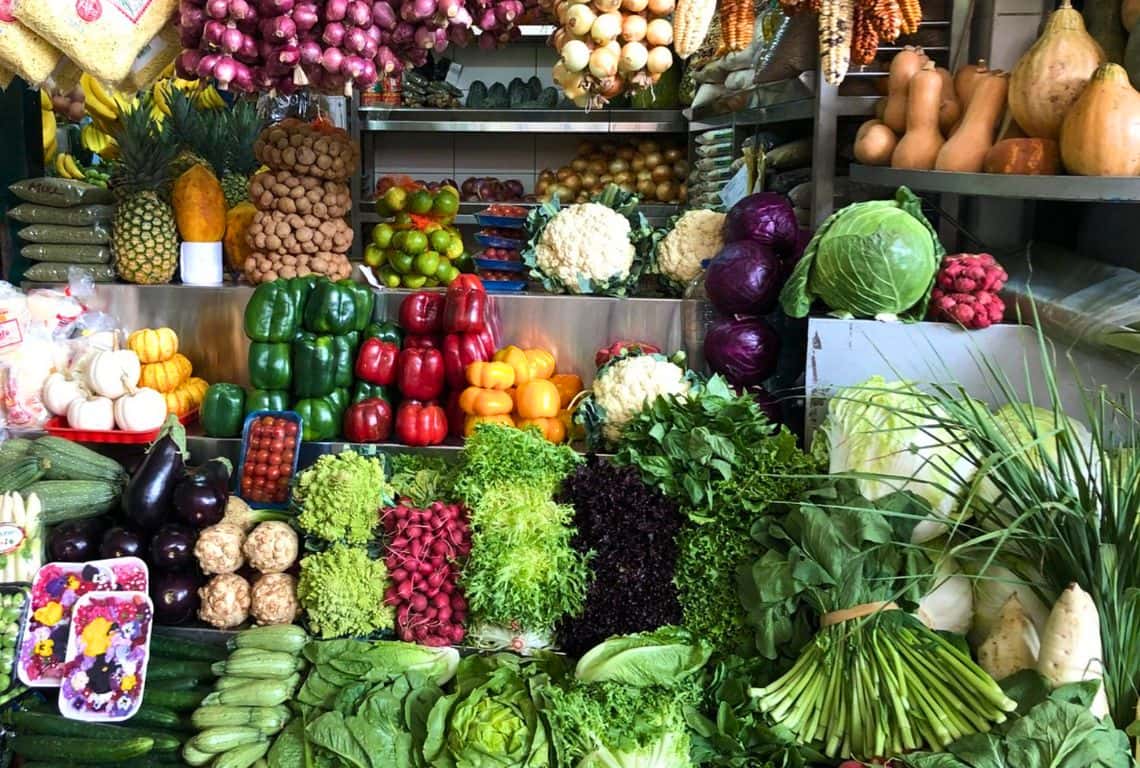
266,400
331,309
344,360
270,366
314,360
364,301
301,287
339,399
365,391
318,422
384,331
272,313
223,410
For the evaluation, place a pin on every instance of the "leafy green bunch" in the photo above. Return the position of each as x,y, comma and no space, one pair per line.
495,454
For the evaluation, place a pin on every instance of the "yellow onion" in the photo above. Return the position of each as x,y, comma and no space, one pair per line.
634,57
660,59
603,63
661,7
575,56
659,32
579,19
605,28
633,28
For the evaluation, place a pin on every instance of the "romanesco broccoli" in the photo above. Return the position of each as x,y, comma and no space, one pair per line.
340,497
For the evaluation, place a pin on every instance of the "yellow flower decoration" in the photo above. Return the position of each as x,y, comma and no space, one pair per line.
97,637
49,614
44,648
129,682
73,582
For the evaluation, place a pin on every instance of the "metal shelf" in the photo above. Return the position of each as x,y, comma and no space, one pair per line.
778,102
522,120
1100,189
656,213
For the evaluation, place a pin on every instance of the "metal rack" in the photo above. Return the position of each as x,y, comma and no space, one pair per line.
1086,189
656,213
521,120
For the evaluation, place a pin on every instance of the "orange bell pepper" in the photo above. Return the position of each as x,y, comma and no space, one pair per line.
477,401
537,399
552,429
541,363
473,421
516,359
573,430
491,375
569,385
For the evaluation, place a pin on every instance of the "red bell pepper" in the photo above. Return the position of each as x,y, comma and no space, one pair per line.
422,313
605,354
422,342
369,421
420,423
459,351
487,339
466,310
376,362
420,374
456,418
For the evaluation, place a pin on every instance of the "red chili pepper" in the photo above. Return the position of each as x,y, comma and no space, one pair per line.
422,342
466,310
369,421
456,418
420,374
459,351
605,354
376,362
419,423
422,313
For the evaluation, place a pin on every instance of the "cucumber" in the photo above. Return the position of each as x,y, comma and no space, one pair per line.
63,495
180,683
157,717
179,701
81,751
170,648
72,461
38,723
175,669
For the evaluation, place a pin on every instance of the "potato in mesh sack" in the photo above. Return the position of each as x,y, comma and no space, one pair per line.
282,191
307,150
266,267
294,233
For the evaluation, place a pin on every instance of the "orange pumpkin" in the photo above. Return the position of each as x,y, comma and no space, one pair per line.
153,345
166,376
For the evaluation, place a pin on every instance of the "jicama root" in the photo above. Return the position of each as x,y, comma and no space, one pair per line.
1071,649
1013,645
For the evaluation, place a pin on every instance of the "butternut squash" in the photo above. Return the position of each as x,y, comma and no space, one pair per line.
1049,77
1103,21
199,206
904,65
966,150
1028,157
919,146
966,79
1129,15
950,110
1100,135
235,245
874,143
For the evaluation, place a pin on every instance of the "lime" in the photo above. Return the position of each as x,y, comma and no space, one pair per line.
444,269
431,282
413,281
427,263
446,203
420,201
399,239
389,277
382,235
452,273
432,227
396,199
415,241
402,220
373,255
455,248
382,208
439,240
402,262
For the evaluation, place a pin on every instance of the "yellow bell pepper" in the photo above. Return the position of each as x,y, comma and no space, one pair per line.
573,430
516,359
496,375
477,401
552,429
541,363
472,421
569,385
537,399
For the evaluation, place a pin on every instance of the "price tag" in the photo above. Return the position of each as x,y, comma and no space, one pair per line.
736,188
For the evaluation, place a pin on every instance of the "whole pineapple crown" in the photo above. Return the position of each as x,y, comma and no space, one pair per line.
146,150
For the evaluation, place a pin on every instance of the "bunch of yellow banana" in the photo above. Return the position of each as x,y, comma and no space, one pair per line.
94,140
209,98
104,104
67,168
47,126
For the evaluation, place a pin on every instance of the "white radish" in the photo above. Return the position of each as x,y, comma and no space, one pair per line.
1071,649
1013,645
949,605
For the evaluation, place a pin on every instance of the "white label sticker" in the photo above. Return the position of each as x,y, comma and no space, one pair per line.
10,334
736,188
11,537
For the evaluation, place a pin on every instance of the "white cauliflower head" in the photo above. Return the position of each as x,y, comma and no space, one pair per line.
587,240
696,237
627,385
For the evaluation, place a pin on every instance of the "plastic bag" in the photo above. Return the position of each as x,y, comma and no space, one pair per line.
82,216
14,317
61,234
75,254
58,272
61,193
25,52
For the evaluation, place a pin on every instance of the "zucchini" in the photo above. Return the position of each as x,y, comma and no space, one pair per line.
261,693
180,683
72,461
243,756
17,474
284,638
192,756
174,669
94,496
269,665
43,724
15,448
179,701
81,751
214,741
170,648
266,719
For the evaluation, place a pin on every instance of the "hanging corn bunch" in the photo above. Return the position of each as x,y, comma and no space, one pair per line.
836,22
876,21
690,25
738,21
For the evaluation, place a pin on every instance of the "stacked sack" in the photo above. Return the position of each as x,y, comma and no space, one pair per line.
166,370
299,229
68,225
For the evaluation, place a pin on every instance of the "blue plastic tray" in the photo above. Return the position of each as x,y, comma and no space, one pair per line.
504,286
493,241
245,438
497,265
503,222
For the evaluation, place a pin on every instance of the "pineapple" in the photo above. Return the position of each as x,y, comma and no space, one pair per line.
144,237
243,127
188,124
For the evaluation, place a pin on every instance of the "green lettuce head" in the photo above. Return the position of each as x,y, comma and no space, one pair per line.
875,259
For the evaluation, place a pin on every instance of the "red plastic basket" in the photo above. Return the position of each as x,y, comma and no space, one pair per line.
57,426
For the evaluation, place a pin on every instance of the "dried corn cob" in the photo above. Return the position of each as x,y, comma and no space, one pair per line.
911,15
886,17
742,24
691,20
835,21
865,39
726,12
814,6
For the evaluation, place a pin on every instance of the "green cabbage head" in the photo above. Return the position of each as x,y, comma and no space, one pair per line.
875,259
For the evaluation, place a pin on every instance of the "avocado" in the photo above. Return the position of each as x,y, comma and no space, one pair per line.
477,95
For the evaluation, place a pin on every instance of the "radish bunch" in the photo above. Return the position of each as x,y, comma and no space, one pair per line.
423,550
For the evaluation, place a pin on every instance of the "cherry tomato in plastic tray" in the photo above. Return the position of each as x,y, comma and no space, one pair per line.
269,458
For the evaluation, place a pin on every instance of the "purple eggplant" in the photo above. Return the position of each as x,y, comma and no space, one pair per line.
198,502
74,541
217,472
121,542
172,547
175,596
147,499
